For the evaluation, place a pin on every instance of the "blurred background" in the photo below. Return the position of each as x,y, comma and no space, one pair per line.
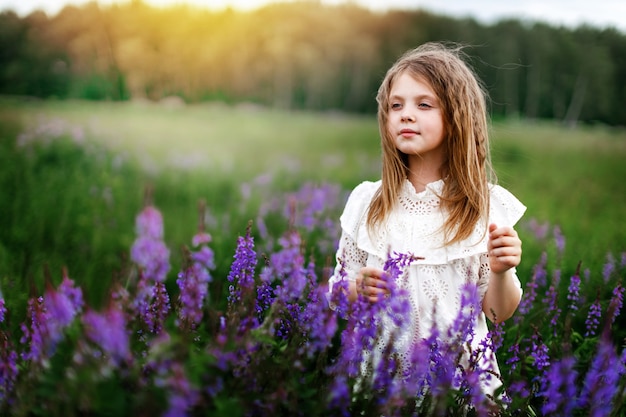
552,59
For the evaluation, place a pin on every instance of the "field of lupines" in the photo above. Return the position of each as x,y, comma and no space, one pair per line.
246,328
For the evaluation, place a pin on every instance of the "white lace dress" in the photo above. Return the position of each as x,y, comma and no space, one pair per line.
434,283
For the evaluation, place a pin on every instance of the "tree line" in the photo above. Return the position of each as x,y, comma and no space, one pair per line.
304,55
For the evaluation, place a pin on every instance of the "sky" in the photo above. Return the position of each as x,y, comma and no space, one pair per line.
571,13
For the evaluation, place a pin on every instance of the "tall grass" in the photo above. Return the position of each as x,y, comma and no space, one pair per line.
569,177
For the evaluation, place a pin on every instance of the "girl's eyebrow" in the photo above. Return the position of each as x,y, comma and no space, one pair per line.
418,97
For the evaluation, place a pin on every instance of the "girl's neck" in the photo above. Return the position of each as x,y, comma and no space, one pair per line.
421,174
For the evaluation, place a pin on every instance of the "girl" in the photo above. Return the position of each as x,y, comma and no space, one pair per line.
434,200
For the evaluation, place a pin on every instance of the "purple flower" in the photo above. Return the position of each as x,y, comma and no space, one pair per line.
338,297
593,318
339,395
602,381
152,257
559,240
34,330
241,275
573,292
553,309
558,388
319,323
530,294
3,309
514,359
200,238
287,268
182,395
539,352
149,251
48,317
8,367
149,223
193,282
108,330
62,305
159,308
617,300
539,230
609,268
264,299
193,285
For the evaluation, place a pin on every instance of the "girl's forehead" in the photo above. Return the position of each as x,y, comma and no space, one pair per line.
408,79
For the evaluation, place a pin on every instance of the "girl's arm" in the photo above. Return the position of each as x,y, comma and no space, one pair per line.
503,294
369,282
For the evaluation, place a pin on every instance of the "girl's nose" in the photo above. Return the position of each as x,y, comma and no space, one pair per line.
407,118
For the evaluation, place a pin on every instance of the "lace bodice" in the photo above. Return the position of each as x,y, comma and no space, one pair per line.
435,282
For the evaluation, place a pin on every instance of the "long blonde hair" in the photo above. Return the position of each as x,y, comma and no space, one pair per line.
467,167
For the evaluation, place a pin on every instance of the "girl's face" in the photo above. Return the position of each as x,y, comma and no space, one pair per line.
415,120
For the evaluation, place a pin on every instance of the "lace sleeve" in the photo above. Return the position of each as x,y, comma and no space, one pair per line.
350,259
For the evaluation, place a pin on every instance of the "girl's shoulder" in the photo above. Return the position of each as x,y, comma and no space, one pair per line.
504,207
357,205
364,191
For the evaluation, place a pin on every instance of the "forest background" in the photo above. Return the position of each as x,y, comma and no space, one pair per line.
303,55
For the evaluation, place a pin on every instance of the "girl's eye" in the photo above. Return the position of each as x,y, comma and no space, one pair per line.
396,106
424,105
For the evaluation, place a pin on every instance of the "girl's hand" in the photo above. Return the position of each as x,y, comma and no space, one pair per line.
371,284
505,249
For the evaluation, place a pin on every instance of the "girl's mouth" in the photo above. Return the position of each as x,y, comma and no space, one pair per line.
407,133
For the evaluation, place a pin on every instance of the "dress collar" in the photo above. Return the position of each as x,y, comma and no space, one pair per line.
433,189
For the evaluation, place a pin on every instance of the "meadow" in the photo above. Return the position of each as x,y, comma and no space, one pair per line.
75,175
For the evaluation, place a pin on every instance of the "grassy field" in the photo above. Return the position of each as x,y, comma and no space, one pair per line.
74,175
571,178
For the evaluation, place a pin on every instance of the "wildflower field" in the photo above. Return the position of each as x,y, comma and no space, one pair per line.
167,260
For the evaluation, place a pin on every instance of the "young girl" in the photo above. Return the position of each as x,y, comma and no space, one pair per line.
434,201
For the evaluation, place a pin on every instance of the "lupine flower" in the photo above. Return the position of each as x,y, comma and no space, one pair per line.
3,309
530,294
559,240
62,305
339,395
158,308
287,268
553,309
338,298
514,359
558,388
573,292
601,383
539,352
108,330
193,281
539,230
264,298
151,255
149,251
617,300
8,367
593,318
182,396
34,330
321,323
241,275
609,268
48,317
